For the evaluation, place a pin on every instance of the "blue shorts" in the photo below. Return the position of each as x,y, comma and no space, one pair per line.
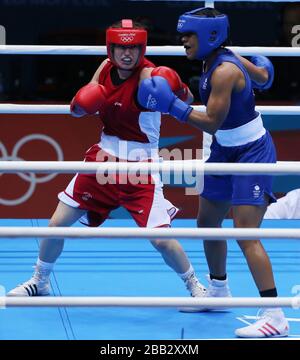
241,189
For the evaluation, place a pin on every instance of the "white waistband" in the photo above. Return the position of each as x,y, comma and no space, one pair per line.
242,135
128,150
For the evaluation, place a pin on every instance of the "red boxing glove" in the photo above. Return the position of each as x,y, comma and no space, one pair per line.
90,98
183,93
178,87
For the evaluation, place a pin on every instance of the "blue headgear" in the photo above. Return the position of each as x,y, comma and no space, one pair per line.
211,31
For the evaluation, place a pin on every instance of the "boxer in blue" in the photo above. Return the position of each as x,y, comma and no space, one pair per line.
226,88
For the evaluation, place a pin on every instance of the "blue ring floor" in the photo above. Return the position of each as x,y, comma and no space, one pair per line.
133,268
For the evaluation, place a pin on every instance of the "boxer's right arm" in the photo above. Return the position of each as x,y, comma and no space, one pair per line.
88,98
95,77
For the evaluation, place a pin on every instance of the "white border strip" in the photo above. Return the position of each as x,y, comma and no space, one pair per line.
123,301
148,233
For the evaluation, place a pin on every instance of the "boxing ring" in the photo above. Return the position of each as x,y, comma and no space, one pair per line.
120,269
123,274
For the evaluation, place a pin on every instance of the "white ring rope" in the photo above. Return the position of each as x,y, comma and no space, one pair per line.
167,50
123,301
65,109
148,233
135,168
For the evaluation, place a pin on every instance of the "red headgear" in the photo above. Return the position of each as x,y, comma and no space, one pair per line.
126,35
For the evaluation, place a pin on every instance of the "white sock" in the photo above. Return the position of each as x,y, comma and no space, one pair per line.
43,269
187,274
44,265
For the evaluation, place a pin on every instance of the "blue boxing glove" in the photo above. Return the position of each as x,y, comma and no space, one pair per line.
155,94
264,62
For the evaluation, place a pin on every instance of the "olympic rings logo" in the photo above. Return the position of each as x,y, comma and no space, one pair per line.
127,39
31,178
152,103
180,24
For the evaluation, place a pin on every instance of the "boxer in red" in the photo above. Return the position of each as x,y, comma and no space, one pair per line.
130,133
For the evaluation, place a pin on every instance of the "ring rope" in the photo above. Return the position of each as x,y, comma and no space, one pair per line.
176,166
167,50
123,301
149,233
65,109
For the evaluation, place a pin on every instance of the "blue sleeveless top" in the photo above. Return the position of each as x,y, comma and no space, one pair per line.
242,107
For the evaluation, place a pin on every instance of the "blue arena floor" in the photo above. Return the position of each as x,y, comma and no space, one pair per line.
133,268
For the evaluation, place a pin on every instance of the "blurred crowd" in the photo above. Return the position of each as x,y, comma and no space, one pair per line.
55,78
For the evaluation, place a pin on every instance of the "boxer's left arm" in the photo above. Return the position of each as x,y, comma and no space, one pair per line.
179,88
260,69
155,94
